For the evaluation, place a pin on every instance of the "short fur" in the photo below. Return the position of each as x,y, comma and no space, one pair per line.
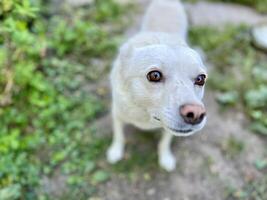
161,44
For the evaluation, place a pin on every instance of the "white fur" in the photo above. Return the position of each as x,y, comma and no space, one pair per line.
161,44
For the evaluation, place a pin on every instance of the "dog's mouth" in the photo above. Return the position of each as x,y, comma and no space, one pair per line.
156,118
180,130
183,131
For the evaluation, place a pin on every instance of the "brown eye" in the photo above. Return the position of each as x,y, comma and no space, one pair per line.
200,80
154,76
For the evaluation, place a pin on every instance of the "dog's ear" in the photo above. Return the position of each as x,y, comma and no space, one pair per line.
125,53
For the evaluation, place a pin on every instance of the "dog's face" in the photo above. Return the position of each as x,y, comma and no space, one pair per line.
167,82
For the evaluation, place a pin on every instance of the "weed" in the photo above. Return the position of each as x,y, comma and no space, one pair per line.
45,113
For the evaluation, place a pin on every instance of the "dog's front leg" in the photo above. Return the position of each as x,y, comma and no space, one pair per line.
166,159
116,150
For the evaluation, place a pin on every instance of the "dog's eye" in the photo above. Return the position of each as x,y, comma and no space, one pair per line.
154,76
200,80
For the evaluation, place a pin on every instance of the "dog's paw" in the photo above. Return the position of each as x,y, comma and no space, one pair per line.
167,161
114,154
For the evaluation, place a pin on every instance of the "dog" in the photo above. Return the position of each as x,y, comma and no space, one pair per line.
158,81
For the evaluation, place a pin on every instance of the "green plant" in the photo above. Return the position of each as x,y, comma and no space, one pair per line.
45,108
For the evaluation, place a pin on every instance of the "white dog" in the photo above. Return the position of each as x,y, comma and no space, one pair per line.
158,82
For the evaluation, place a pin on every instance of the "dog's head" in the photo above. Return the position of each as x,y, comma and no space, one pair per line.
167,82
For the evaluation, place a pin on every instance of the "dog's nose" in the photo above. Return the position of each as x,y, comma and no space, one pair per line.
192,113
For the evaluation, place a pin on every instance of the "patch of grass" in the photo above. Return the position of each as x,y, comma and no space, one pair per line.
45,110
256,190
232,147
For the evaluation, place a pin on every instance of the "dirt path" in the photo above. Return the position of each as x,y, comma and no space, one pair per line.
210,164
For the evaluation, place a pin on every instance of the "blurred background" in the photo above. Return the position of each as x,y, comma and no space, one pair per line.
55,57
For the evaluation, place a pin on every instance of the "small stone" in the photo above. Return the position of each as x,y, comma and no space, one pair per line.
214,169
77,3
219,14
94,198
151,191
147,177
102,91
259,35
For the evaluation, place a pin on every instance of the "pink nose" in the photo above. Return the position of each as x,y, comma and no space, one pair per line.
192,113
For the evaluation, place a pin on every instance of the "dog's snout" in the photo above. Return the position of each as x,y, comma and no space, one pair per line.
192,113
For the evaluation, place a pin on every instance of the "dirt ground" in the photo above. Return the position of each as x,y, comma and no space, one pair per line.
207,166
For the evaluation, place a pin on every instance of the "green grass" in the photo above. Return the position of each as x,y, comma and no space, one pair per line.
232,147
46,63
254,190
